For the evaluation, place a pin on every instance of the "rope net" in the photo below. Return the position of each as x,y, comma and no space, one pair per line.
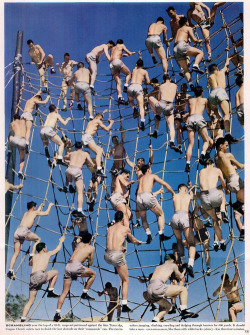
43,187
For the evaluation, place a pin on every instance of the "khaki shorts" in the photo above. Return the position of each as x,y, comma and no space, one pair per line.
153,42
210,199
116,199
21,234
73,270
74,172
156,290
37,279
86,139
27,116
145,201
46,133
115,66
165,107
180,220
180,50
82,87
234,183
134,90
196,122
217,95
18,142
115,257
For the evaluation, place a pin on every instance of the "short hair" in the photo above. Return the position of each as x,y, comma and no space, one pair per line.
125,171
221,140
29,41
31,204
198,91
239,80
145,168
78,145
111,42
168,257
182,21
226,276
212,68
140,63
181,185
39,96
166,77
16,117
209,161
120,41
40,246
154,81
160,19
86,237
118,216
169,9
114,137
66,54
141,158
80,65
98,114
108,285
52,108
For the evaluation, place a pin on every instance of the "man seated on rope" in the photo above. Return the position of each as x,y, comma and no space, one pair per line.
230,288
180,223
197,14
158,291
117,151
227,163
23,232
218,95
114,254
117,66
114,301
92,58
66,69
88,141
76,161
239,100
17,136
153,41
47,132
118,197
74,268
195,123
81,223
9,186
164,104
27,114
211,198
182,49
38,277
239,224
82,76
135,91
37,56
181,101
145,200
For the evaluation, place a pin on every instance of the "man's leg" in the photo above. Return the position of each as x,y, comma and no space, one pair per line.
79,190
240,195
118,84
131,101
236,308
207,255
214,9
189,235
28,130
57,140
205,33
22,158
64,93
88,99
224,106
123,273
197,53
49,60
91,274
122,207
152,102
41,73
165,307
66,288
177,124
17,248
183,65
170,122
180,247
98,151
162,55
127,73
175,290
217,224
161,219
27,307
191,134
52,278
93,71
140,102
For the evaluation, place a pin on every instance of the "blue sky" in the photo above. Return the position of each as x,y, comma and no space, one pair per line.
77,28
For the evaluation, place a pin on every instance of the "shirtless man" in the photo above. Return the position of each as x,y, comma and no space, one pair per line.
214,9
82,76
74,268
27,114
37,56
9,186
114,301
181,101
94,182
182,49
218,95
88,141
195,123
214,126
118,197
211,198
114,254
166,95
145,200
81,223
117,151
117,66
230,288
74,172
38,277
197,14
47,132
174,23
135,90
92,58
66,69
17,137
153,41
239,100
227,163
158,291
23,231
180,223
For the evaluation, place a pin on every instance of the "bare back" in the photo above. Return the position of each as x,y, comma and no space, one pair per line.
82,252
19,128
40,262
168,91
197,105
183,34
116,235
217,79
82,74
181,202
156,29
78,158
28,219
146,183
209,177
139,75
99,50
223,162
51,120
116,52
164,271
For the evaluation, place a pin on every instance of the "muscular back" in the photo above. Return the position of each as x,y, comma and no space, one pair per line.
51,120
182,34
82,74
40,262
146,183
82,252
197,105
115,236
164,271
156,29
217,79
19,128
138,75
116,52
181,202
78,158
208,178
168,91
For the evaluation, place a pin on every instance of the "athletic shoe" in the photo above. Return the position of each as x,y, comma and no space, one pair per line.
10,275
230,139
57,317
142,126
51,294
92,90
47,152
125,89
99,173
61,162
202,160
79,107
190,271
126,309
185,314
46,90
192,87
63,189
197,69
135,113
137,225
216,247
187,169
153,308
164,238
180,150
52,71
172,310
208,271
149,239
86,296
121,101
21,176
242,235
225,217
155,61
223,246
155,134
27,148
64,109
71,189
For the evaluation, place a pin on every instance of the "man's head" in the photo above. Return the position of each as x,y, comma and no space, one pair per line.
154,82
126,173
86,238
145,168
80,65
160,19
120,41
110,44
184,87
221,144
182,188
169,257
239,80
32,205
41,246
16,117
166,77
52,108
108,285
66,57
226,277
198,91
171,12
115,139
140,162
30,43
212,68
140,63
38,96
78,145
209,162
183,21
118,216
99,116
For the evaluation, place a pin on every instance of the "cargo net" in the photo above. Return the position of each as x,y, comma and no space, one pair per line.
45,185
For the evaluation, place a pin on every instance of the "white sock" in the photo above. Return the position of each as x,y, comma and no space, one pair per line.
58,310
188,162
142,120
191,262
85,291
203,153
91,117
227,133
51,289
11,270
156,319
99,167
70,183
152,55
222,241
23,318
161,232
27,142
124,302
79,209
148,232
182,307
209,53
216,242
92,86
125,85
119,96
59,157
196,65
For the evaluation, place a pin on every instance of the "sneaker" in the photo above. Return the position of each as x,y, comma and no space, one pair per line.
172,146
99,173
137,225
225,217
230,139
196,68
91,205
27,148
10,275
64,109
208,271
164,238
52,71
125,89
79,107
135,113
155,61
209,58
47,152
172,310
180,150
63,189
223,246
51,294
121,101
187,169
111,223
190,271
57,317
142,126
202,160
154,320
126,309
185,314
86,296
222,124
216,247
61,162
114,172
242,235
78,214
23,320
181,73
21,176
71,189
45,90
71,104
149,239
155,134
208,224
153,308
92,90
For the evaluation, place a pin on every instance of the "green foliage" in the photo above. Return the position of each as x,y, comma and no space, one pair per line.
14,306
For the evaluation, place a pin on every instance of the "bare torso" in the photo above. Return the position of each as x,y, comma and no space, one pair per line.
82,74
19,128
197,14
28,219
156,29
82,252
217,79
168,91
164,271
40,262
208,178
115,236
118,185
117,153
51,120
78,158
231,291
197,105
181,202
182,34
92,127
35,54
146,183
67,68
99,49
174,24
116,52
30,105
112,293
138,75
223,162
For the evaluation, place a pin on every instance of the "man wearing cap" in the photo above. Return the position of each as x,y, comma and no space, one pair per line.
23,231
